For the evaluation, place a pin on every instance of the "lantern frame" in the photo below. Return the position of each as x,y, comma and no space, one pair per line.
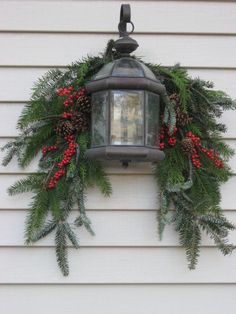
111,81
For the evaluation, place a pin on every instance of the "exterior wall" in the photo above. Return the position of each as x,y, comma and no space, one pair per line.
124,268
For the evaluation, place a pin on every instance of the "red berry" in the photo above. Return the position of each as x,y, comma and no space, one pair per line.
162,146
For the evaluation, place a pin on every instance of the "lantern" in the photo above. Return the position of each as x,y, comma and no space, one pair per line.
125,105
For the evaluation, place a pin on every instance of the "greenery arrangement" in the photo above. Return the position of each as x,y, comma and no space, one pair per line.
56,124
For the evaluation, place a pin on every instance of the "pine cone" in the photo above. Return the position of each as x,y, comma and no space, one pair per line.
64,128
187,145
79,121
182,118
175,97
84,104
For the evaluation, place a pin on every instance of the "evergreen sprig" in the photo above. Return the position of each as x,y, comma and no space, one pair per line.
195,193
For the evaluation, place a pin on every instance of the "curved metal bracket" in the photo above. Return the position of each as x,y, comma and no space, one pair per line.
125,16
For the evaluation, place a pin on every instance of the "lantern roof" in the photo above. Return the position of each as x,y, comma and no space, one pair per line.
125,73
125,67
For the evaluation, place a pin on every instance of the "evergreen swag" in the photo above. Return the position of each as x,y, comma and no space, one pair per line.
56,122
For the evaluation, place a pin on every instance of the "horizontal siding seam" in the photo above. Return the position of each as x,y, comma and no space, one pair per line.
6,137
110,283
107,32
112,173
106,210
115,246
54,66
112,248
49,246
116,283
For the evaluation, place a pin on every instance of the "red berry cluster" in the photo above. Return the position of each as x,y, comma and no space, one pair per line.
67,114
74,97
195,159
172,141
195,139
64,91
71,99
46,149
171,138
53,181
211,154
71,150
68,153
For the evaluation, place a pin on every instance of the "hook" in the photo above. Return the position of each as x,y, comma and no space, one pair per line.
125,16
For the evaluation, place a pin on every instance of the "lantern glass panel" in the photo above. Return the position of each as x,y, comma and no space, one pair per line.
152,119
128,68
99,119
127,108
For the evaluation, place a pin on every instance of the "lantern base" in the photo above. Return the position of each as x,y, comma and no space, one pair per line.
125,153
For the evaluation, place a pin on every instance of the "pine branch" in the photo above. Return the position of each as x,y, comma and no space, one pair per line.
83,219
218,231
71,235
47,85
15,148
35,144
189,232
97,176
162,214
176,80
46,230
61,249
38,212
55,198
30,183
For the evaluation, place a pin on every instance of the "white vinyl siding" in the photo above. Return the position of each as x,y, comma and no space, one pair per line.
125,268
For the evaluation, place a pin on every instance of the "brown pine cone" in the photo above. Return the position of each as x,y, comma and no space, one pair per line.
79,121
182,118
64,128
187,145
175,97
84,104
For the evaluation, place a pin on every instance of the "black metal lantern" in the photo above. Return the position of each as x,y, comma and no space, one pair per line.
125,105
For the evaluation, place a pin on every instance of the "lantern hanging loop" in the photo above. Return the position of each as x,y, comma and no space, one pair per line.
125,33
125,44
125,18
